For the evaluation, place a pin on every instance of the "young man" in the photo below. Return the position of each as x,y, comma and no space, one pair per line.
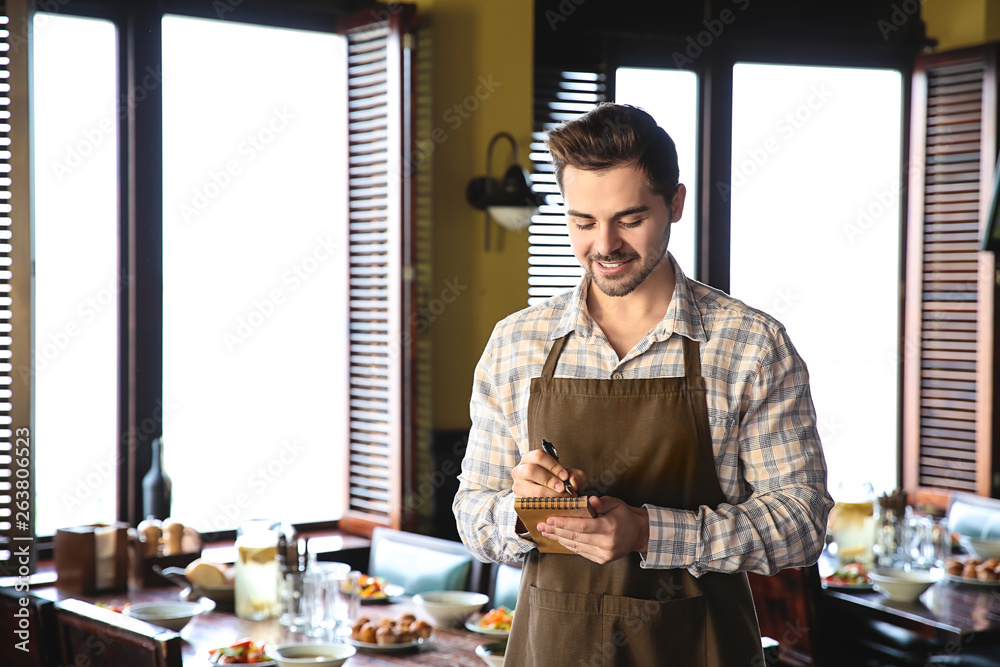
684,412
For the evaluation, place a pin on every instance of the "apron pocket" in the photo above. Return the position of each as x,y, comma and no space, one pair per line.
565,629
650,632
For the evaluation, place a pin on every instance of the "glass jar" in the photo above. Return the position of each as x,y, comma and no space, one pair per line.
852,522
258,578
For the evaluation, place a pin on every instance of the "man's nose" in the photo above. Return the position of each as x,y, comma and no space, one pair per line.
608,240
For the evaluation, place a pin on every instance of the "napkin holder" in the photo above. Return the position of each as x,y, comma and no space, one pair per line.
91,559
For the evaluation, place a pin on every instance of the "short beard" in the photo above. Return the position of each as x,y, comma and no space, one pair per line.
625,286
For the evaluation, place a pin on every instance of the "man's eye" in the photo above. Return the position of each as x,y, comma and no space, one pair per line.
634,223
584,225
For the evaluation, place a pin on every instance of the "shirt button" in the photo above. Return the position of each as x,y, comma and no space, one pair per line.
617,375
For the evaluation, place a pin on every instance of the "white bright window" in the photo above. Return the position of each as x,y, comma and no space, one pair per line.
254,277
671,97
816,242
75,112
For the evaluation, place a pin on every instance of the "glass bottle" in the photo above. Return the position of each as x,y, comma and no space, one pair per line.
157,486
258,577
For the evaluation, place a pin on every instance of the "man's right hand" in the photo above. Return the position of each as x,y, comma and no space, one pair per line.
538,474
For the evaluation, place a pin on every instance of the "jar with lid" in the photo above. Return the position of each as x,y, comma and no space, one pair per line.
258,577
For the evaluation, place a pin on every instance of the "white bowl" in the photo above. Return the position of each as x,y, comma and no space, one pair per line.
316,655
169,615
904,586
492,654
450,607
979,548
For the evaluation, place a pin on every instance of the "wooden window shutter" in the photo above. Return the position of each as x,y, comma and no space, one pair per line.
381,347
559,96
17,510
948,345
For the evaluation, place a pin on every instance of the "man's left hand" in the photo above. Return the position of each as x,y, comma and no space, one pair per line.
619,530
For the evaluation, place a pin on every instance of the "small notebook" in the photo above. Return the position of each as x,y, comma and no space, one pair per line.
533,511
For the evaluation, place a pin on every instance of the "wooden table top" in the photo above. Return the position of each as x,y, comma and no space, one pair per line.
448,647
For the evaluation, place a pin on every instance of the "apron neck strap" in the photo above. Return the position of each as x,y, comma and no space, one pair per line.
692,358
550,361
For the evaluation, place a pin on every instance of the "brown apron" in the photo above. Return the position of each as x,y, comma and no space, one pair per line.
643,441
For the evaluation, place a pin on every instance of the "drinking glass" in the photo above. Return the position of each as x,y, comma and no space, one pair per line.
328,590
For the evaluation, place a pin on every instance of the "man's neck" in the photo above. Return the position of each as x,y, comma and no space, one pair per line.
625,320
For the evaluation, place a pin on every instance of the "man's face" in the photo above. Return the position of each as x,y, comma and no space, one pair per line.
618,228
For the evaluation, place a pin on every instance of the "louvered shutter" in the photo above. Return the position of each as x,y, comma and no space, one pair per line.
17,476
380,282
947,352
559,96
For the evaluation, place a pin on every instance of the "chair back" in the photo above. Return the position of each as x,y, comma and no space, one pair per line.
786,605
505,582
28,626
422,563
92,635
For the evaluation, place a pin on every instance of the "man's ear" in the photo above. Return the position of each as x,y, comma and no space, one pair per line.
677,202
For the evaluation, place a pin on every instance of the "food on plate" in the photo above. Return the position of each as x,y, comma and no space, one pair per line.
973,568
496,619
371,588
113,607
206,574
852,574
243,652
403,629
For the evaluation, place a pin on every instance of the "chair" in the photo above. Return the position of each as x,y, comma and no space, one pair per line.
421,563
504,583
786,605
35,617
92,635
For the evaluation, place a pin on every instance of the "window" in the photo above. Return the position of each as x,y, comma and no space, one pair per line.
816,238
255,313
77,276
254,252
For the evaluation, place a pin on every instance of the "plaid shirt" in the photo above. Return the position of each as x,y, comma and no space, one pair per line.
760,412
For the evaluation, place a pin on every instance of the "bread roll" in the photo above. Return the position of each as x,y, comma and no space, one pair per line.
206,574
367,633
385,635
421,628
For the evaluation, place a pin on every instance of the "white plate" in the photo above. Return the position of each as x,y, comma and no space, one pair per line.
973,582
472,624
388,647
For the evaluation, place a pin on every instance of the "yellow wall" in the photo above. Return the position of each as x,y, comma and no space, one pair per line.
485,48
958,23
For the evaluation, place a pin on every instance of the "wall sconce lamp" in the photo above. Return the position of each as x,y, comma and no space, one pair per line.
511,202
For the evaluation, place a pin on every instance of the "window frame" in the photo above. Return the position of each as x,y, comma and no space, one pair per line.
140,377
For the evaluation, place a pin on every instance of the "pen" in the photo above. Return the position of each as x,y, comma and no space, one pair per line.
551,451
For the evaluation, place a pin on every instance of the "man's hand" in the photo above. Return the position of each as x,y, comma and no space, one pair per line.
538,474
619,530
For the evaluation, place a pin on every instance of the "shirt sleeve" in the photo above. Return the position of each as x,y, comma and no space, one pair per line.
484,504
782,523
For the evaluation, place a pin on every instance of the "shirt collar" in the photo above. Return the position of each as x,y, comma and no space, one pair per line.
682,317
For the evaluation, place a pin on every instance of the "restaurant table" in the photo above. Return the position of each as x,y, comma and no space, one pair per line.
448,647
955,613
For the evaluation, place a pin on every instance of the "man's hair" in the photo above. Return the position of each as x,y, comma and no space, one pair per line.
616,135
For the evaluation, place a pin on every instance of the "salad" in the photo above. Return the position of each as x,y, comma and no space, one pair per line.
496,619
852,574
243,652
